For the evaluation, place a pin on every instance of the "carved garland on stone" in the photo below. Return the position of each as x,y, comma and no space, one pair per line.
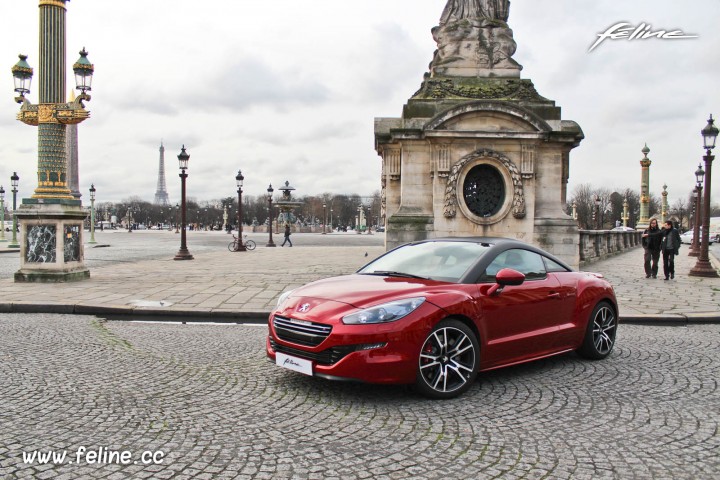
451,197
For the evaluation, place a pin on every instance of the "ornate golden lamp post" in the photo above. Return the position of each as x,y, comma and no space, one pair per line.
51,221
703,267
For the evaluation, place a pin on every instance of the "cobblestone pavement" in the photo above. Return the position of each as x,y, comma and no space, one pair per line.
206,397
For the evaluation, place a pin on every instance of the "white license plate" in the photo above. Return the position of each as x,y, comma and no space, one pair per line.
293,363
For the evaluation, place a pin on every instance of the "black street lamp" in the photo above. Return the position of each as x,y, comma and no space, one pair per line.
92,213
14,179
697,194
270,215
598,225
703,267
183,253
239,246
324,217
177,220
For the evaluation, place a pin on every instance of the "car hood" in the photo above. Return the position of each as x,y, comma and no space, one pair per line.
362,291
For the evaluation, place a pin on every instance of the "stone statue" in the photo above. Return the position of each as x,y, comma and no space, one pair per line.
474,40
462,9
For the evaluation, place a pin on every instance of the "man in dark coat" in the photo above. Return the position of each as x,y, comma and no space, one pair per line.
670,247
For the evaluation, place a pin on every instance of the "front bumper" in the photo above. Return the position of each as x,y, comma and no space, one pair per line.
374,353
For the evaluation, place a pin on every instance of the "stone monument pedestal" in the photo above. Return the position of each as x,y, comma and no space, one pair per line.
477,151
51,233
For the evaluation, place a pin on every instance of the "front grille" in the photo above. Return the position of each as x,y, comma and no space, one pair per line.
309,334
326,357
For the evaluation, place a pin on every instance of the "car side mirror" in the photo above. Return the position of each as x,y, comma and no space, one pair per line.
506,277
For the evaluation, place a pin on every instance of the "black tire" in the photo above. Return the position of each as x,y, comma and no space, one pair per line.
448,360
600,333
250,245
231,246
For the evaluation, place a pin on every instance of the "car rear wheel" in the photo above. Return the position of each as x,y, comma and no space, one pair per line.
600,333
448,361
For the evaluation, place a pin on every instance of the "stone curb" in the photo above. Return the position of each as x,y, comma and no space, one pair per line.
137,313
9,250
121,312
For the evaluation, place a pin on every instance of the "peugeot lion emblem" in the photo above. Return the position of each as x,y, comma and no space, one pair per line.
304,308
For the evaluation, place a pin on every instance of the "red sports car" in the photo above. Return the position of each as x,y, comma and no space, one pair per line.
437,312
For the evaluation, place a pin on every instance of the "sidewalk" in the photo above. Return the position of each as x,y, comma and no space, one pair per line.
242,287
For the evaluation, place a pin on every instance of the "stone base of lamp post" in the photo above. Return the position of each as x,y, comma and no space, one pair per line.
183,255
703,268
51,241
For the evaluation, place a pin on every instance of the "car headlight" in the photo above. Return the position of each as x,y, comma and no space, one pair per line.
387,312
283,296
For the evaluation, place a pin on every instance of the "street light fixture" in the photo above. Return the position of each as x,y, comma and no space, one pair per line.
92,213
239,246
270,215
14,179
183,253
22,75
697,194
83,70
703,267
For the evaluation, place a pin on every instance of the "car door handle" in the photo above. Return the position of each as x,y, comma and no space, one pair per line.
554,295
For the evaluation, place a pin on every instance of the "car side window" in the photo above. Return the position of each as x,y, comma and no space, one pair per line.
552,266
526,262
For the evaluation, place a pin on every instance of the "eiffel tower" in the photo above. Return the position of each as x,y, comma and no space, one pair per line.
161,196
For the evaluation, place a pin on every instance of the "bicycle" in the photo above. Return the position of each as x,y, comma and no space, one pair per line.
248,244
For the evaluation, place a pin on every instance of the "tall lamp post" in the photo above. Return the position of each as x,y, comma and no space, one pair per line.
703,267
239,246
177,218
92,213
52,207
2,214
270,215
598,223
14,179
695,247
183,253
324,217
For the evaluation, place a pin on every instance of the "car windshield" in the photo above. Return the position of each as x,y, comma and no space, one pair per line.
442,260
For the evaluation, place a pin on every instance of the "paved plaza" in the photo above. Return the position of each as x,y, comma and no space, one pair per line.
116,399
135,274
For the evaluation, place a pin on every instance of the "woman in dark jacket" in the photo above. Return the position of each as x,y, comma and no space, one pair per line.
651,239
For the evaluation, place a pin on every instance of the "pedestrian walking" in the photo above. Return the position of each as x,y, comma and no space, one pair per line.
651,242
287,235
670,248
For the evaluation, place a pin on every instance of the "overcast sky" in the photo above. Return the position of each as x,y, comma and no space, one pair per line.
288,89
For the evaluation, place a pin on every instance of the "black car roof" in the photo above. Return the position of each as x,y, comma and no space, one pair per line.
499,244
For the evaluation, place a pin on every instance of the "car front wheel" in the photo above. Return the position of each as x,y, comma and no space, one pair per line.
600,333
448,361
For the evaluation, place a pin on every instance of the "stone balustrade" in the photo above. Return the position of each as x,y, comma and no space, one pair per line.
598,244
